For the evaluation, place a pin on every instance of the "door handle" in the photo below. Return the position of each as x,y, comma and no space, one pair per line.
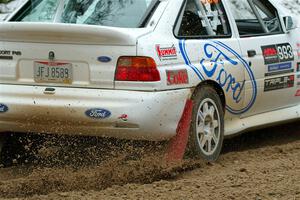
251,53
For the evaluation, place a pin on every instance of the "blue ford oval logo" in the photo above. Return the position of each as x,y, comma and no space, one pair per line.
3,108
104,59
214,55
97,113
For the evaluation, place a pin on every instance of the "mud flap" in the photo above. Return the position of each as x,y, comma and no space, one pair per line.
177,145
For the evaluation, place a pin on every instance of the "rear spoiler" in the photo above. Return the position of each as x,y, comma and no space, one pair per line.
69,33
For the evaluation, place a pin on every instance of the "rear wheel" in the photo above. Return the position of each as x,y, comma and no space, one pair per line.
207,127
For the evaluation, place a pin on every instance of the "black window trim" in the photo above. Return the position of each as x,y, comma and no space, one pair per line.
149,13
22,10
264,34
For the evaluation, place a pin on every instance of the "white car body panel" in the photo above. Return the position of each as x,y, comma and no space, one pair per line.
275,117
134,115
153,108
268,100
87,72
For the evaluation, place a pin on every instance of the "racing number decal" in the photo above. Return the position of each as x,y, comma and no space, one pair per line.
285,52
277,53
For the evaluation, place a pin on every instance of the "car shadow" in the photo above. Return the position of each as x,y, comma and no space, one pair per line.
276,135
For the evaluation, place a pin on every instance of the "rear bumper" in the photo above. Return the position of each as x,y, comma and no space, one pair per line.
134,115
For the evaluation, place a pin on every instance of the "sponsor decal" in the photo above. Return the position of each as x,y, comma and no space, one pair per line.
277,53
3,108
297,93
270,54
104,59
298,80
123,117
98,113
279,83
177,77
166,53
8,54
298,67
213,57
280,68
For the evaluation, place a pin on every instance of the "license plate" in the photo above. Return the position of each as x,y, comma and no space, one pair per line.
53,72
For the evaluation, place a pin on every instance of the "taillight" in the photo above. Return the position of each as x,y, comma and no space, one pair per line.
136,68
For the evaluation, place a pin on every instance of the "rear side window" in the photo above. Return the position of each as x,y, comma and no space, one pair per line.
205,18
255,17
117,13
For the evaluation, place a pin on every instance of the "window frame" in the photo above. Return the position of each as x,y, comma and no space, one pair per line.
179,19
261,34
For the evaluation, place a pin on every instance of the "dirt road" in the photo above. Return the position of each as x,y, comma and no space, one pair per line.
259,165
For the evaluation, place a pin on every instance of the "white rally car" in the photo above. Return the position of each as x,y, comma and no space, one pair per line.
149,69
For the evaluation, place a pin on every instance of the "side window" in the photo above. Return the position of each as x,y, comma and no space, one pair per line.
202,18
255,17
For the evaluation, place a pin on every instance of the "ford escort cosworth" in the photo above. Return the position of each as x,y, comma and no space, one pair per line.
189,71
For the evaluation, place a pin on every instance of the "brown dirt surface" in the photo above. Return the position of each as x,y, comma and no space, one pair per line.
262,165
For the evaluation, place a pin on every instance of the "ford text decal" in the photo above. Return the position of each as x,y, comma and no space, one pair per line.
98,113
277,53
222,64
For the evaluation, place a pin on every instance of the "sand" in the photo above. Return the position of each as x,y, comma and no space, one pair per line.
262,164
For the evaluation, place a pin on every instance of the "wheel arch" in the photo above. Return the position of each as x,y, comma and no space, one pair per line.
215,86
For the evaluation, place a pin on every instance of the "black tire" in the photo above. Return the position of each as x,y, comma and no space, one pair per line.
207,126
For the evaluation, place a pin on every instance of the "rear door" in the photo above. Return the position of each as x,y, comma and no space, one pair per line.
268,50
